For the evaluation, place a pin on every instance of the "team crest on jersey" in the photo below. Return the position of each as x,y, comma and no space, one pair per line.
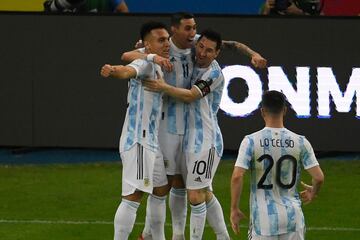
183,58
146,182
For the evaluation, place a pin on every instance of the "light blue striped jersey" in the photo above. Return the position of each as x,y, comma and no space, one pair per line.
182,61
144,109
202,129
274,157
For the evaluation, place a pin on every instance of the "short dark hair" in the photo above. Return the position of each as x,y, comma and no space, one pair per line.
177,17
273,101
146,28
213,36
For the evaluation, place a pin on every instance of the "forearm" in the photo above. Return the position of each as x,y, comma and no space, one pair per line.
236,190
317,176
182,94
122,72
133,55
316,184
234,45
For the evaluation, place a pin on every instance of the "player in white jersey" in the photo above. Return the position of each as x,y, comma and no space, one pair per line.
274,156
203,145
179,69
143,165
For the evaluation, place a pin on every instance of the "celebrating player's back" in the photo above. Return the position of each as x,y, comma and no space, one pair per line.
274,156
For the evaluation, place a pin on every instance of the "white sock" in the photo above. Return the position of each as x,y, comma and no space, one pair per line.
157,216
215,218
124,219
178,209
146,234
197,221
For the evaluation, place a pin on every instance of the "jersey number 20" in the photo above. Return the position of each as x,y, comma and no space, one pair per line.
279,162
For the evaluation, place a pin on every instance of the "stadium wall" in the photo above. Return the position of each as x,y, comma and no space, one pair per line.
51,93
157,6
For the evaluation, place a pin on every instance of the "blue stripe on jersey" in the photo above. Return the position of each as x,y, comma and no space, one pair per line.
186,133
255,215
291,221
153,118
266,134
171,115
171,104
269,198
304,152
134,87
214,74
266,162
199,137
141,109
272,212
286,166
287,174
249,152
217,99
219,142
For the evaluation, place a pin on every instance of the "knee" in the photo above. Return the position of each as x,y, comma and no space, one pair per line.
135,197
196,196
161,191
177,182
209,196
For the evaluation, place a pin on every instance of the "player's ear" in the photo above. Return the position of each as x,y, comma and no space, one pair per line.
284,111
262,112
217,53
173,29
146,44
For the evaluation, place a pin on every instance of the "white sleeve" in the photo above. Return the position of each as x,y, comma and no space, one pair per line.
245,154
140,67
308,157
142,50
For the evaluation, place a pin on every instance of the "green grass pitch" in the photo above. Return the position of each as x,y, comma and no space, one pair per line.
78,201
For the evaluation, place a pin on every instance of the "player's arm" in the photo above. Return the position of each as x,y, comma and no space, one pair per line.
182,94
137,54
118,71
237,181
256,59
310,192
133,55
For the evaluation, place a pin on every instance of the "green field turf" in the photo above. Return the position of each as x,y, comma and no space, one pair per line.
78,201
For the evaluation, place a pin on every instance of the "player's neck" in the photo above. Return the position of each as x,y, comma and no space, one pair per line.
177,43
203,65
274,123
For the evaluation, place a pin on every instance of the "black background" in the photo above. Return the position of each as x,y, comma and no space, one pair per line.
51,94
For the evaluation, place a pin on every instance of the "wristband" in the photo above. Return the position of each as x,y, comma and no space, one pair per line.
150,57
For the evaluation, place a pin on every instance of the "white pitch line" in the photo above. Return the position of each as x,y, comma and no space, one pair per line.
71,222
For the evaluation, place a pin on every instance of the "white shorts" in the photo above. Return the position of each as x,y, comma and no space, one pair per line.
143,170
298,235
171,146
201,168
